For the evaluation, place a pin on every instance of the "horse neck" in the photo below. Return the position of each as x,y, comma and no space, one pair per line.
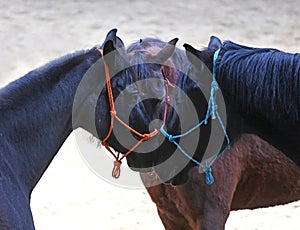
259,100
36,114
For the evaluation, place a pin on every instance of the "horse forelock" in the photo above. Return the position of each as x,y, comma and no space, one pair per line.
140,55
145,49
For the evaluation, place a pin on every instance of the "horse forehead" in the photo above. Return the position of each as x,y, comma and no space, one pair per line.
149,49
153,50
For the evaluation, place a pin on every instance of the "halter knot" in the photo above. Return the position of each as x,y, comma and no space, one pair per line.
214,108
170,137
113,113
209,176
147,136
116,169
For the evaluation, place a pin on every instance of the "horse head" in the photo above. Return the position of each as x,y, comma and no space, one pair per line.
136,78
188,127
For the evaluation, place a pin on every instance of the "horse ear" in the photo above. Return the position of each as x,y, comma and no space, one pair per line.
112,47
214,43
111,36
166,51
109,52
196,56
119,43
116,41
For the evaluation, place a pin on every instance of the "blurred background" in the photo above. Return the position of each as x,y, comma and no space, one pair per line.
69,195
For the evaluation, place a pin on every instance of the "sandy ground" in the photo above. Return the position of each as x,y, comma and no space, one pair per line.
69,195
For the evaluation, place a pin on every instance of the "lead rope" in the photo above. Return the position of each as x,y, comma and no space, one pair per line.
146,136
212,111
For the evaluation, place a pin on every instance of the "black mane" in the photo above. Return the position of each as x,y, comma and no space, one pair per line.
265,79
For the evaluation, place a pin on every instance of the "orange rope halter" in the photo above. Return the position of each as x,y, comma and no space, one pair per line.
146,136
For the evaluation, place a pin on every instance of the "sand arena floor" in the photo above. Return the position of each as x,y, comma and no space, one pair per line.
69,195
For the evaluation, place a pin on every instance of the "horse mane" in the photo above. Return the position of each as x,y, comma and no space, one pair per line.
41,78
263,80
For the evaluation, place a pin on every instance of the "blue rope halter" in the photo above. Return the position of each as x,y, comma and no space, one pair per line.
212,111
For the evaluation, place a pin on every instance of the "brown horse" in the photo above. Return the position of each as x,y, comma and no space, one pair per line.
252,174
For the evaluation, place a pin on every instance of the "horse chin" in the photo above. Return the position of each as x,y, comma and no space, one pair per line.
140,162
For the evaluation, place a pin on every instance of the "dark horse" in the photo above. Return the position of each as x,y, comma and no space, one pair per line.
40,110
245,176
261,90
